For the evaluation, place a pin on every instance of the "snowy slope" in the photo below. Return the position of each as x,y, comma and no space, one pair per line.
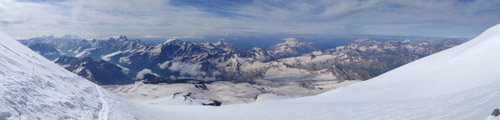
32,87
461,83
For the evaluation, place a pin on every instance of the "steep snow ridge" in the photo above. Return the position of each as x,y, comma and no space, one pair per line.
108,57
461,83
84,53
33,87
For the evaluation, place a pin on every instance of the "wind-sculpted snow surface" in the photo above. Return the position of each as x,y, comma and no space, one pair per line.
461,83
32,87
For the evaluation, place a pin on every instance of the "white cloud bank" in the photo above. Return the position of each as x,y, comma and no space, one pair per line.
183,68
140,75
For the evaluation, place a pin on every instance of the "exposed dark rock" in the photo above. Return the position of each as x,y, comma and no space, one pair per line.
152,79
214,103
495,113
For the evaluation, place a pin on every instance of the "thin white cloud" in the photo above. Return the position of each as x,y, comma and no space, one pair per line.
183,68
142,73
139,18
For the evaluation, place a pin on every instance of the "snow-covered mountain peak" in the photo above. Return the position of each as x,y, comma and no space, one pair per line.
177,43
220,43
123,37
256,49
68,36
460,83
173,42
290,42
291,47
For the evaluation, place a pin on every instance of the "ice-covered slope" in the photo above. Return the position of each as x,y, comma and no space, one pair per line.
32,87
461,83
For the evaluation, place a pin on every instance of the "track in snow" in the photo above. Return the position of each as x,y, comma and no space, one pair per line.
103,113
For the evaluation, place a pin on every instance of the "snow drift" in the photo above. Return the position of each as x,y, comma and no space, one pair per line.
461,83
33,87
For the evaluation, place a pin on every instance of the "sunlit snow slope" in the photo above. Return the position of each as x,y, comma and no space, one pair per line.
461,83
32,87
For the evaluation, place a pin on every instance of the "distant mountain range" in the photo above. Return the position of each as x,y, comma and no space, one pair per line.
122,61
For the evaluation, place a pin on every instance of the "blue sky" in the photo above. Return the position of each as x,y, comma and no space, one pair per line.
194,18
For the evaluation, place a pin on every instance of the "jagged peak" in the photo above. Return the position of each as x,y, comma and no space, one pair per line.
172,40
257,48
177,42
220,43
362,40
111,39
69,36
52,37
289,39
123,37
290,42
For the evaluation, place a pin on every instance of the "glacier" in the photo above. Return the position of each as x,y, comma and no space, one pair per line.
458,83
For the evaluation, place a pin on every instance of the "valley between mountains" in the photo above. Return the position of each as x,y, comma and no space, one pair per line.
223,73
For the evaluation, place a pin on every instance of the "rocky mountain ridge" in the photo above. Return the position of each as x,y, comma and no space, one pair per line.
291,60
99,72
